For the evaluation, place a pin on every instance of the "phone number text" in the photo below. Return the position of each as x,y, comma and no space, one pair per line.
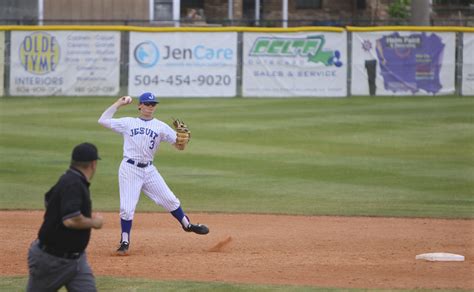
183,80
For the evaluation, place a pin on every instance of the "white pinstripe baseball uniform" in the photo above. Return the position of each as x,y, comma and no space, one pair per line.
142,138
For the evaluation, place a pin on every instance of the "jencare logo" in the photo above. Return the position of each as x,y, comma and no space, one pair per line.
198,52
148,54
311,47
39,53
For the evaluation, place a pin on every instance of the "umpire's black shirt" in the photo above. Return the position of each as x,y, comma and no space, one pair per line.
70,197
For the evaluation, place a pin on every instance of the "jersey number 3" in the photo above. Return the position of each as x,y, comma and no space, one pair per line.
152,142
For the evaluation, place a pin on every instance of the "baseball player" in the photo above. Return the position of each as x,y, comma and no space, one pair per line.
142,137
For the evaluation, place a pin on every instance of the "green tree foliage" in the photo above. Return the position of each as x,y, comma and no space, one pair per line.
399,9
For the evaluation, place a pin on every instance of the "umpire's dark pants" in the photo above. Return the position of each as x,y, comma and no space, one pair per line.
50,273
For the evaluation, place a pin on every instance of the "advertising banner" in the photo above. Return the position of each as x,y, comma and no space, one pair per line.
295,64
2,61
64,63
468,64
183,64
403,63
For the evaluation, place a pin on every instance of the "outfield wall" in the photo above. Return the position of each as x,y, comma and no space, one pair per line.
468,64
236,61
2,61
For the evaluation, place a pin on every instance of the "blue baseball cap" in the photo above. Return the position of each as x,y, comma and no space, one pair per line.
148,97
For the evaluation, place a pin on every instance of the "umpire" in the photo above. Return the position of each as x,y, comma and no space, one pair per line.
58,258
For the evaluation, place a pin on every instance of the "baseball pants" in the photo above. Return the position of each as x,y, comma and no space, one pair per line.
133,180
50,273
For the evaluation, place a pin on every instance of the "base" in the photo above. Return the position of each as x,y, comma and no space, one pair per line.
441,257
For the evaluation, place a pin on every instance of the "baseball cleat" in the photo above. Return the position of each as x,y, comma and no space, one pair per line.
197,228
123,249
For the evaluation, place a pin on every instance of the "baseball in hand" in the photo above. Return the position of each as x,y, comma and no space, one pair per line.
127,99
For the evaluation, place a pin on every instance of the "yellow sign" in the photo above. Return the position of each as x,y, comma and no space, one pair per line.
39,53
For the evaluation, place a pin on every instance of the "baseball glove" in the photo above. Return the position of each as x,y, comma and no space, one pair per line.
183,134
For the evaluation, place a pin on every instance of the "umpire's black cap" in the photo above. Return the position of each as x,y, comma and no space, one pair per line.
85,152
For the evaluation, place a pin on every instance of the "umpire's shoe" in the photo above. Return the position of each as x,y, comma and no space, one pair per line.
123,249
197,228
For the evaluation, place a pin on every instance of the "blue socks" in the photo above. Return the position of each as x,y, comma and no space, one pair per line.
179,215
127,224
126,227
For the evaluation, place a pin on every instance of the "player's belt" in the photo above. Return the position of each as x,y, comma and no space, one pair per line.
139,164
57,253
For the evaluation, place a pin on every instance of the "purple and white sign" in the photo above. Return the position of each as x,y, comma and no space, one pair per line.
403,63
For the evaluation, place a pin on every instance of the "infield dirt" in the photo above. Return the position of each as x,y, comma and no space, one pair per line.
345,252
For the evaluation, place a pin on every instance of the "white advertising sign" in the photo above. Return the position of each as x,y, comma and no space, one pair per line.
295,64
64,63
403,63
2,61
468,64
184,64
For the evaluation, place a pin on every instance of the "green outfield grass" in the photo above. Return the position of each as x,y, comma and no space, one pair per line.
17,284
394,156
403,156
